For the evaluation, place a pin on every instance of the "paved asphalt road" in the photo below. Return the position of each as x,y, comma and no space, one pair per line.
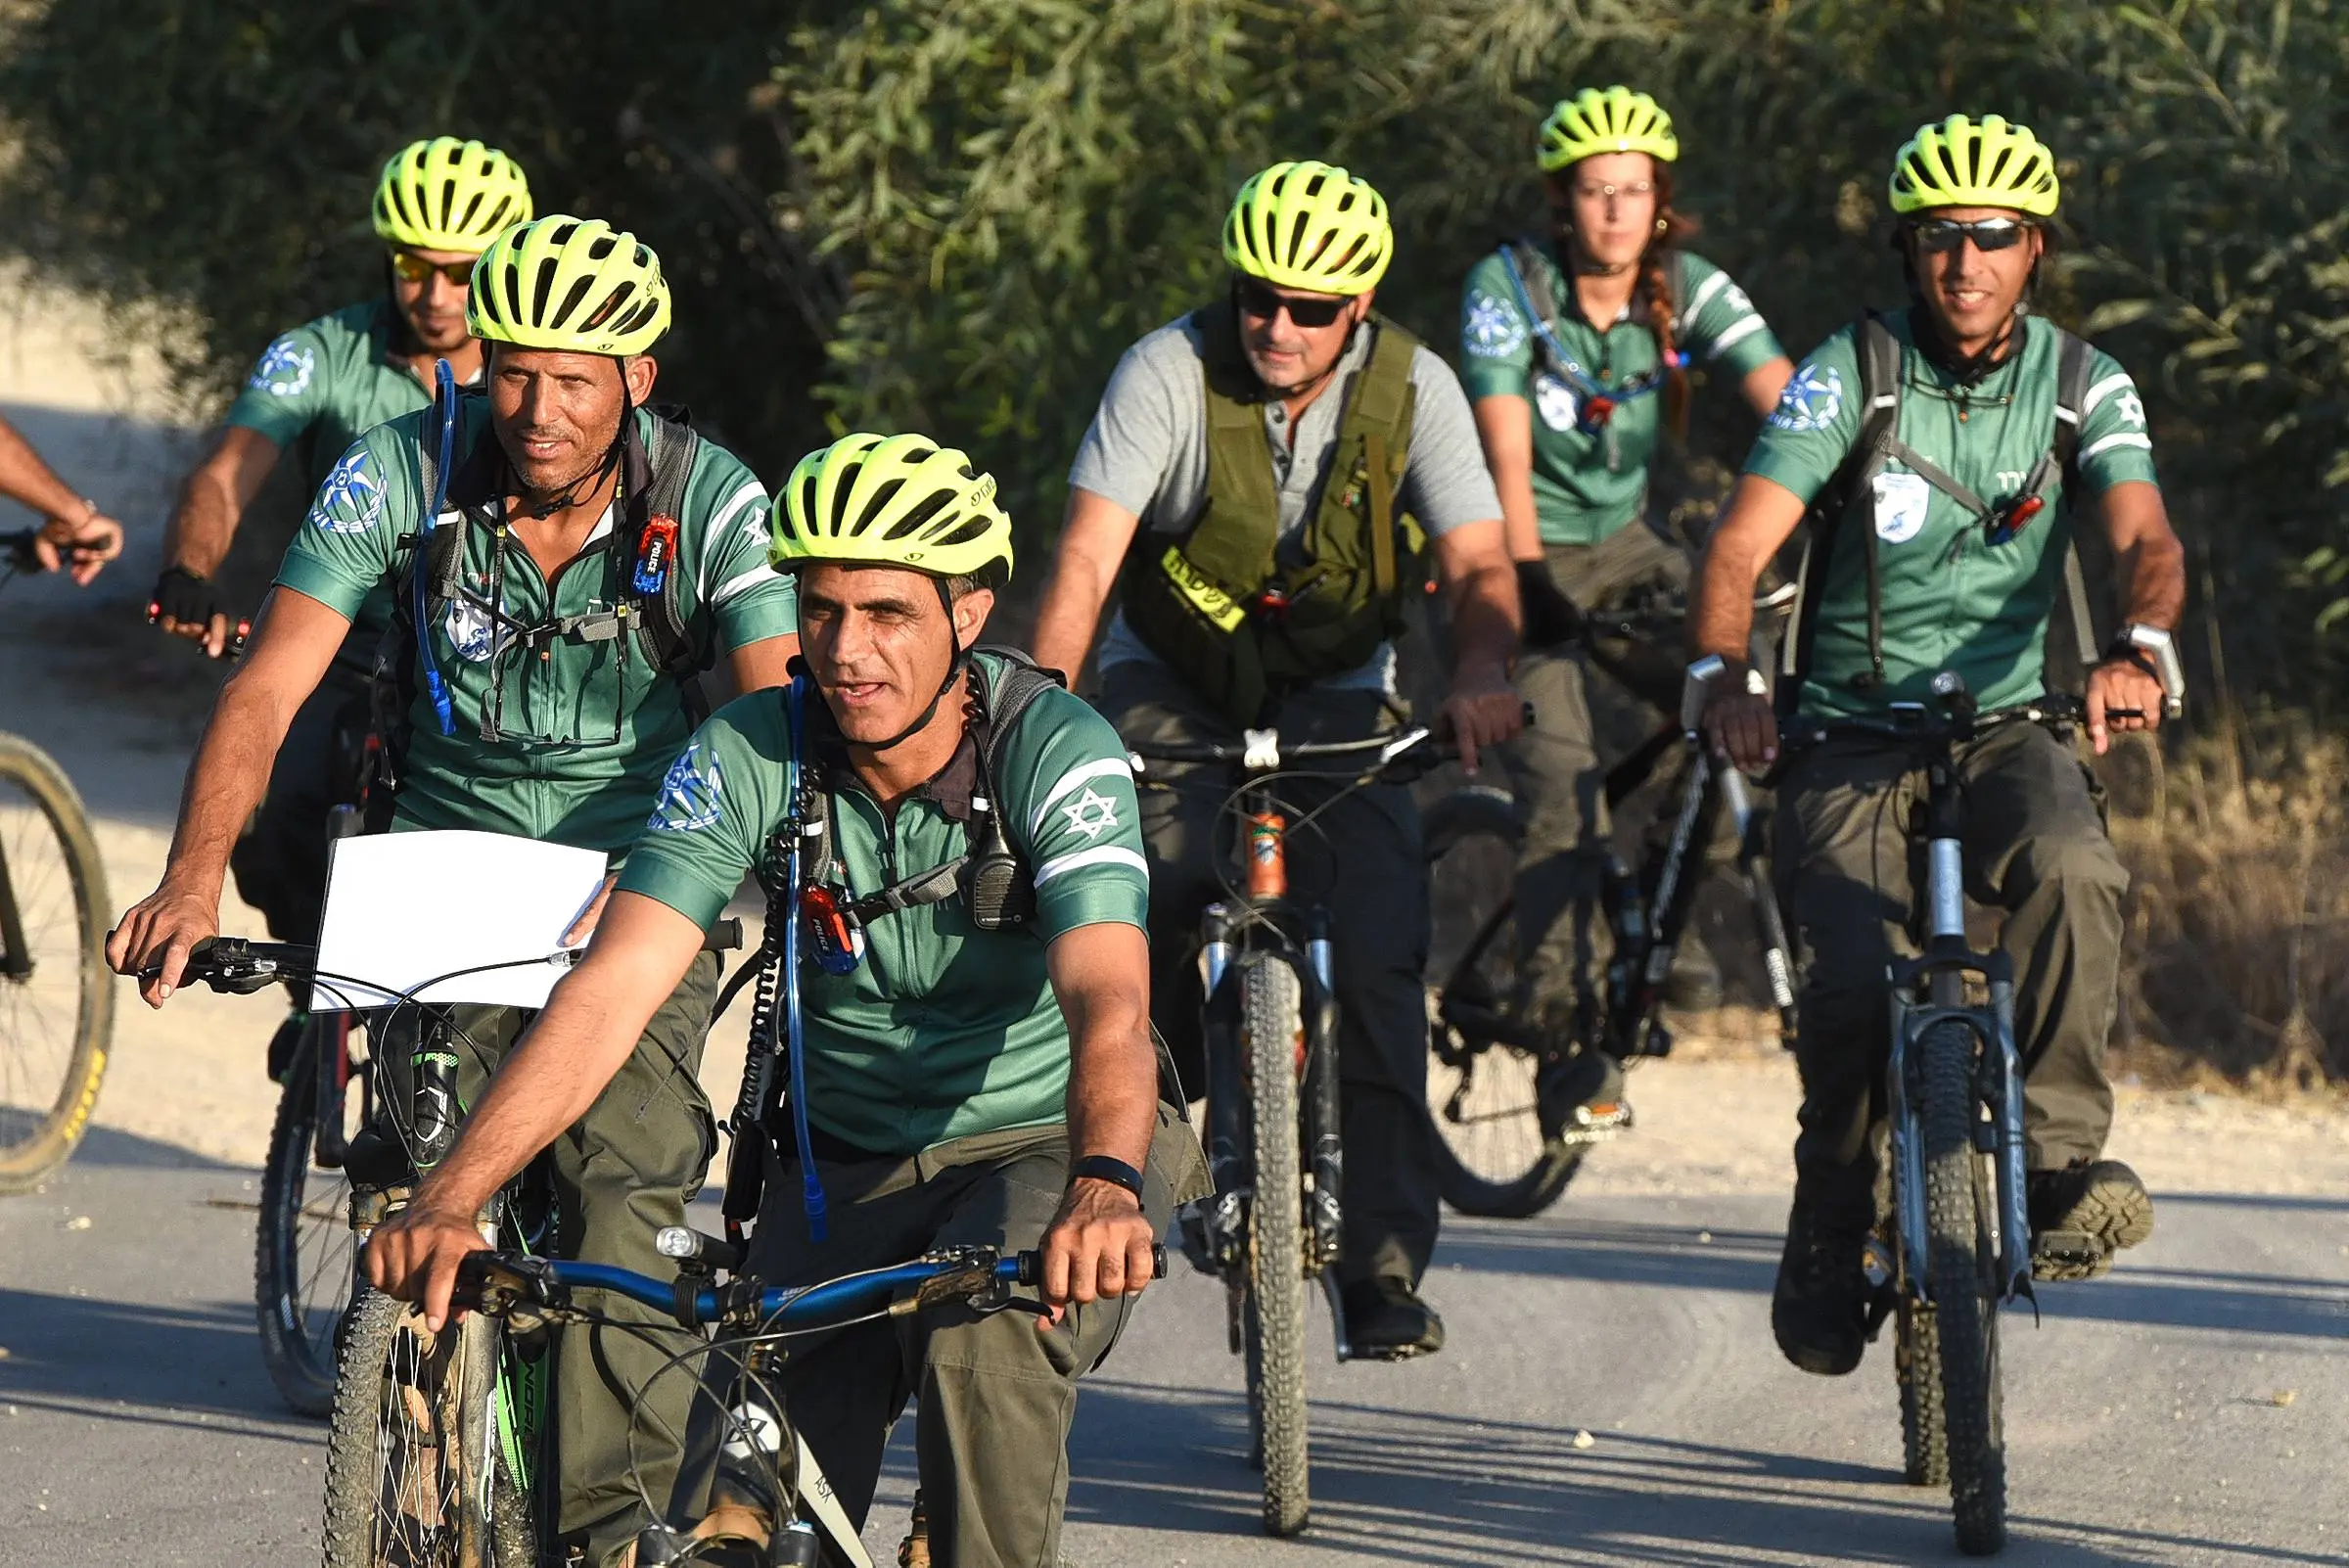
2192,1410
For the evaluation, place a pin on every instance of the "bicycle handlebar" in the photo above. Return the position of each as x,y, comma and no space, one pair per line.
499,1283
1261,751
1914,723
239,967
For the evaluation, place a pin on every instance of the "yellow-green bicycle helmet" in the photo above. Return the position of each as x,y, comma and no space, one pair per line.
572,284
1608,119
890,500
449,195
1310,226
1965,162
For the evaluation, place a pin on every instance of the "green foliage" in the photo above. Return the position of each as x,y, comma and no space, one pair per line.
954,214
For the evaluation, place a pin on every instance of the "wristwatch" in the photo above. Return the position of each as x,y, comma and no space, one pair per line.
1696,688
2153,650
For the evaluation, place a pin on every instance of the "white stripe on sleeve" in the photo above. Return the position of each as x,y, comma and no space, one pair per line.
750,579
1696,302
2126,437
1104,854
753,492
2103,390
1074,779
1746,328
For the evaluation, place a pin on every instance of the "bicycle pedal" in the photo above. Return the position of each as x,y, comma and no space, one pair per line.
2065,1255
1596,1124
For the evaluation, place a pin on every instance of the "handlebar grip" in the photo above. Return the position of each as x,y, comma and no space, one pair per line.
1032,1266
723,936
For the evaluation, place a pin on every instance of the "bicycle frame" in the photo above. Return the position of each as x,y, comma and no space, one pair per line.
1228,931
1927,990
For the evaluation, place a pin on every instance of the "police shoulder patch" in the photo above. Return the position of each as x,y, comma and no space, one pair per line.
690,793
1490,329
351,500
1813,397
285,369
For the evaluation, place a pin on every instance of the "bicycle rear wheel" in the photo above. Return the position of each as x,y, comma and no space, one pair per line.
415,1473
57,997
305,1255
1272,1032
1493,1155
1963,1258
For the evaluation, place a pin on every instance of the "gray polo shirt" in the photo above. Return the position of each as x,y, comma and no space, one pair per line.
1148,451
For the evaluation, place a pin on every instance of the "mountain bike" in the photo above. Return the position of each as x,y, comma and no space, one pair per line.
1953,1243
1270,1027
1509,1139
399,1493
518,1295
57,996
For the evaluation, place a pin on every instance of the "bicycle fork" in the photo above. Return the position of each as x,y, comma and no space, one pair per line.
1997,1078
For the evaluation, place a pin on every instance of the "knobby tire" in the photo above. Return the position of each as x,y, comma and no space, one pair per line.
1962,1260
303,1250
59,882
1916,1362
1272,1023
411,1432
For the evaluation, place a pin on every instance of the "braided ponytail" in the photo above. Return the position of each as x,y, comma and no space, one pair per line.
1656,275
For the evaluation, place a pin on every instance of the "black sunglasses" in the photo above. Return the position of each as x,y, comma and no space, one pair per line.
414,268
1942,235
1260,299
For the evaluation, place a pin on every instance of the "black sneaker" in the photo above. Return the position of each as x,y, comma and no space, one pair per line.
1387,1321
1819,1311
2083,1213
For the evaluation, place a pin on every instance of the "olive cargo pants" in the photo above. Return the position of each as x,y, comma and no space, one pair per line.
996,1394
2036,848
1584,723
1363,861
626,1170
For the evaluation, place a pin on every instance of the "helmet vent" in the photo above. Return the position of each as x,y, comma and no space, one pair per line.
571,303
913,522
875,506
545,287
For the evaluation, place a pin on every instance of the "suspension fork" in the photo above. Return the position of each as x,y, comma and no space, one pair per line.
1635,1023
1753,862
1324,1147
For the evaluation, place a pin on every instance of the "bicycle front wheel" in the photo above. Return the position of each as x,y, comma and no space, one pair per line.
1493,1156
57,997
304,1266
1272,1031
1962,1257
416,1476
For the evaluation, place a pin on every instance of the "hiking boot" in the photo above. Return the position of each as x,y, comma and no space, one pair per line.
1387,1321
1693,983
2083,1213
1819,1309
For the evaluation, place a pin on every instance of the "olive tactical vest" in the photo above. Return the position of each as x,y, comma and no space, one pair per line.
1243,617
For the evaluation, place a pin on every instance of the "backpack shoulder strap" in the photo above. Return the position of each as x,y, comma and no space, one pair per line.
1016,690
669,460
1529,271
1879,355
2074,365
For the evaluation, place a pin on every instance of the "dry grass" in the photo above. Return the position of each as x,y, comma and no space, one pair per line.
2237,967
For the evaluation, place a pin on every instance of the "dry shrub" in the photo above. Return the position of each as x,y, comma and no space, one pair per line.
2236,961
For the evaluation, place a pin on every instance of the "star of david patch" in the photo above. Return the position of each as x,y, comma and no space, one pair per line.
1089,813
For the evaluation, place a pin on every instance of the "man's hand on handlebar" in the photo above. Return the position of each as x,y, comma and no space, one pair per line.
158,931
1483,710
2121,696
189,606
1100,1246
414,1256
1742,727
81,547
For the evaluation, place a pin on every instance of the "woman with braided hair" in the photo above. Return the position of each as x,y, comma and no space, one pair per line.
1576,350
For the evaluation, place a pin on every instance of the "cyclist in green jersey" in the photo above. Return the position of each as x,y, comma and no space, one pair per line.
1575,349
1961,584
567,672
315,389
962,1080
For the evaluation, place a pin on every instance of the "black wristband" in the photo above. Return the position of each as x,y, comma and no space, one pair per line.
1108,1168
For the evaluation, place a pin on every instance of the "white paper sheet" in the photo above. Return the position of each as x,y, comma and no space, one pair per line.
404,909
